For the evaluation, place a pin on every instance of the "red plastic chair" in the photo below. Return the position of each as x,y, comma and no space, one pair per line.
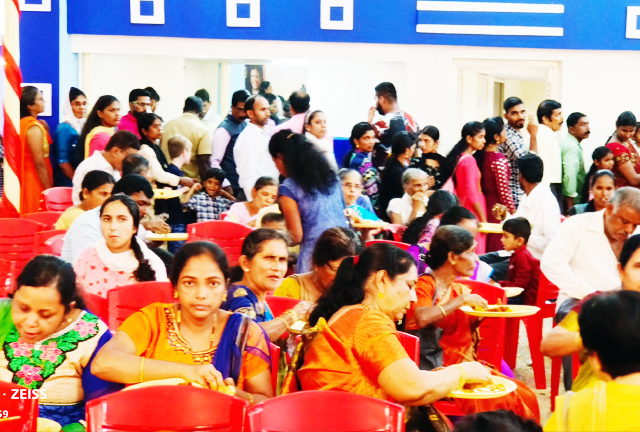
411,344
46,218
556,367
97,305
325,411
8,276
228,235
492,331
126,300
175,408
57,198
48,242
546,293
403,246
275,366
17,240
279,305
25,409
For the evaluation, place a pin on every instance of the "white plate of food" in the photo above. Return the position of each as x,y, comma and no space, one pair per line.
501,311
513,291
495,388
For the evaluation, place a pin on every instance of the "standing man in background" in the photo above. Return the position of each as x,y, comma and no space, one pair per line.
551,120
139,102
191,127
155,98
225,137
573,172
388,119
209,117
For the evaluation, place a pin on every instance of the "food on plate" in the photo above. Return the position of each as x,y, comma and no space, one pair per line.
483,388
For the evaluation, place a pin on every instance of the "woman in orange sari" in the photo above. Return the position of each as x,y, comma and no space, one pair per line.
194,339
357,349
34,170
448,336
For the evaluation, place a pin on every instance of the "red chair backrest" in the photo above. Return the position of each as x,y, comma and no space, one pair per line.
126,300
326,411
22,407
17,240
279,305
47,218
97,305
175,408
397,231
403,246
547,291
8,276
48,242
492,331
226,234
57,198
411,344
275,366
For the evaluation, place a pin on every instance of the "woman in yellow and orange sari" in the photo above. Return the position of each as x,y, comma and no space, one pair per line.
194,340
34,167
447,335
357,349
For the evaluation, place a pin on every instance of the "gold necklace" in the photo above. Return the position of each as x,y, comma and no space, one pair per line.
213,330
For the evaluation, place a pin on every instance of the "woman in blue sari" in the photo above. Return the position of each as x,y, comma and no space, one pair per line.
49,341
263,263
194,339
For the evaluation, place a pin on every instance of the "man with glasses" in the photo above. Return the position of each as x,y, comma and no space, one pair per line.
139,103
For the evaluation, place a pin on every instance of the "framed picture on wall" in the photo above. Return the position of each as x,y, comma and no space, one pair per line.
253,77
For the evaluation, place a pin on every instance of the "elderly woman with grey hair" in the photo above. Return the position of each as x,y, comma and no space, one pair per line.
413,203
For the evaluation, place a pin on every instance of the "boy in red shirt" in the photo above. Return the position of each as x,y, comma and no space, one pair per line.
524,269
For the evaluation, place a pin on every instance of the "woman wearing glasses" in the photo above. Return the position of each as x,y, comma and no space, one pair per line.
333,246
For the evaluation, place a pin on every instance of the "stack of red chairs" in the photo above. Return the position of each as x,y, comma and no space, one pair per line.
46,218
57,199
48,242
228,235
17,240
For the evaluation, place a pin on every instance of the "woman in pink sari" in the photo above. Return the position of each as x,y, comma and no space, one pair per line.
466,175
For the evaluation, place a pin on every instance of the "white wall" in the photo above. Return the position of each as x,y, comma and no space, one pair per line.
341,77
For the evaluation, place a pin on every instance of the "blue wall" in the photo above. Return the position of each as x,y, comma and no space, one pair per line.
39,53
588,24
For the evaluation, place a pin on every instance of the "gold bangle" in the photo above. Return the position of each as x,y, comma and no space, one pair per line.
292,314
463,378
141,369
250,398
444,312
286,324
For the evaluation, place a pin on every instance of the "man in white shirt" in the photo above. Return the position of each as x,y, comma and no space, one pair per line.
551,120
121,144
583,257
251,151
540,207
413,204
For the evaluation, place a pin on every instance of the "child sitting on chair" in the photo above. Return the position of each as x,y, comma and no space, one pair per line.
214,201
524,269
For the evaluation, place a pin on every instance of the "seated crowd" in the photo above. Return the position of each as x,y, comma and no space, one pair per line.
309,231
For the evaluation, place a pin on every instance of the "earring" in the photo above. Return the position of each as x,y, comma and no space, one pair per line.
175,294
381,296
224,297
453,263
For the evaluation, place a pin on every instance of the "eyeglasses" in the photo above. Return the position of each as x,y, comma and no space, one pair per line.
142,104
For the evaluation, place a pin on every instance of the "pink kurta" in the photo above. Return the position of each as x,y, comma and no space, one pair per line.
94,277
470,192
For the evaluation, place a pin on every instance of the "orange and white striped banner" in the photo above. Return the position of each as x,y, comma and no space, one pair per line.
13,79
